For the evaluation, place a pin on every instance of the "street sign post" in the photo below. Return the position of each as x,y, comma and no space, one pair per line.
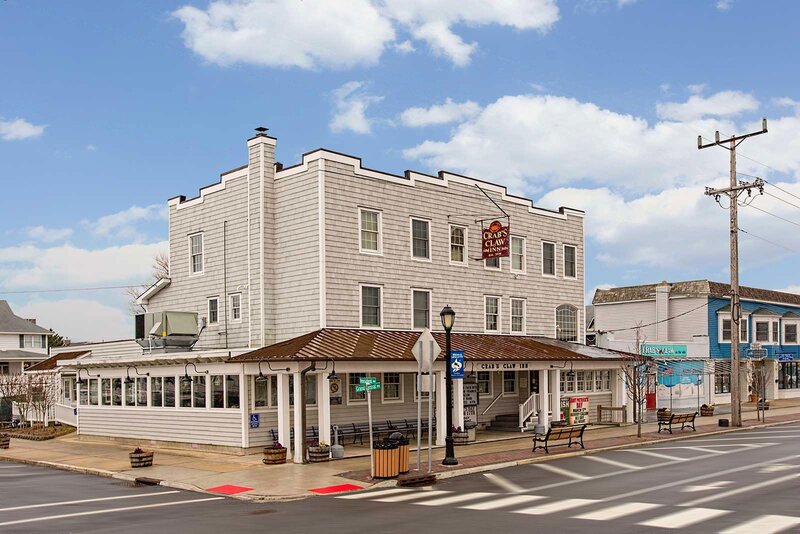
425,351
368,384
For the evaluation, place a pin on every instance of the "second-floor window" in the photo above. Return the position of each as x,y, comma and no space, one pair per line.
548,259
790,333
567,323
570,263
492,314
371,306
458,244
213,310
422,308
196,253
518,316
518,254
762,331
420,239
236,307
725,330
33,341
370,231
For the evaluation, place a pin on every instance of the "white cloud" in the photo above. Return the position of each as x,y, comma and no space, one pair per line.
122,224
439,114
287,33
80,319
91,148
325,34
48,235
664,88
18,129
406,47
724,5
722,104
351,102
697,88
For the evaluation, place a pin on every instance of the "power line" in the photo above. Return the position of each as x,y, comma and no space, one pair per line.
782,200
768,241
661,321
65,290
782,189
772,214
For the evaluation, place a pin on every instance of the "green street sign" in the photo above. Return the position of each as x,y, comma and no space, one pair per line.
361,388
367,380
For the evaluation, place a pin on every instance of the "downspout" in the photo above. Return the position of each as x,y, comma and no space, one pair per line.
225,275
301,410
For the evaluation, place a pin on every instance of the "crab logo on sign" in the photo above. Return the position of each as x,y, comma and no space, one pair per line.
495,241
456,364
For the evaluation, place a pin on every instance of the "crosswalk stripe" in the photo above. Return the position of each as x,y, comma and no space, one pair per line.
703,449
411,496
502,503
657,455
615,512
766,524
504,483
684,519
371,494
562,472
608,461
743,489
557,506
453,499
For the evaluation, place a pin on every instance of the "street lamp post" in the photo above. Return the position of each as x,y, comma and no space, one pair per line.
448,317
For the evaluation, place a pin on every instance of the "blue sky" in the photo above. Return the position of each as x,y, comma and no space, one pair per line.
110,108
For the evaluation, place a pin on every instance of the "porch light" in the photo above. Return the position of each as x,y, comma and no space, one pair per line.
88,375
186,379
261,376
128,379
332,375
448,318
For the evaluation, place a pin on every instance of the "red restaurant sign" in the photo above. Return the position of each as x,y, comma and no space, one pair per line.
495,241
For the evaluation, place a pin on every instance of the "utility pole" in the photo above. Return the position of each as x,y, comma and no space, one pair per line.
733,192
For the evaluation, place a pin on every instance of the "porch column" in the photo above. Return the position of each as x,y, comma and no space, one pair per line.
544,398
458,403
555,378
283,412
629,405
441,408
617,388
324,408
299,431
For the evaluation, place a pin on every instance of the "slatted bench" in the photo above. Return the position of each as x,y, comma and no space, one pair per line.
683,419
573,434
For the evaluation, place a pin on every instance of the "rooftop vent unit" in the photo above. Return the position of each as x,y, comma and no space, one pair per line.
167,330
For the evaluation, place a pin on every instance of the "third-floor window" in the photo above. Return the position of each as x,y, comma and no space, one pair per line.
518,254
458,244
570,263
196,253
548,259
420,239
370,224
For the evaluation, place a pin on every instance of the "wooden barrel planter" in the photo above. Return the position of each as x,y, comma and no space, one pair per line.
274,455
460,438
5,441
706,411
319,454
386,459
141,459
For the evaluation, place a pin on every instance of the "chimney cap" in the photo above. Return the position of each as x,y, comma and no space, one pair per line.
261,130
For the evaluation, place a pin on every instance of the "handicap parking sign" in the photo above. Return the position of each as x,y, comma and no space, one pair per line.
255,420
457,364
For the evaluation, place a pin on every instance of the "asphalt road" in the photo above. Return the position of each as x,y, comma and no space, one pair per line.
734,483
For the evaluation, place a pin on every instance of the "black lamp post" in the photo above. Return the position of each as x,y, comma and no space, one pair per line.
448,318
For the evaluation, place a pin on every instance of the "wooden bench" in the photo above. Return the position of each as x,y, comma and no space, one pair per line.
574,435
683,419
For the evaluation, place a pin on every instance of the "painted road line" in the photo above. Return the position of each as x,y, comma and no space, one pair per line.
707,487
658,455
503,483
14,475
766,524
742,489
99,499
108,511
778,468
454,499
371,494
607,461
562,472
503,502
615,512
708,451
413,495
557,506
12,466
684,518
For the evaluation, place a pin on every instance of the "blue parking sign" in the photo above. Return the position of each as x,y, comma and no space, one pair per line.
255,420
457,364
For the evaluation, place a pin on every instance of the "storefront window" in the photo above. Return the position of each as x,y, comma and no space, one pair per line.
484,383
788,376
391,387
722,383
509,381
352,382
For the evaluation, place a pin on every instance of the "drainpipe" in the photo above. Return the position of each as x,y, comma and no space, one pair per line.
301,410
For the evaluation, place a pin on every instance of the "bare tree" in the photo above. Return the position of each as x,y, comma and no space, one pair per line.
11,386
43,395
160,269
635,372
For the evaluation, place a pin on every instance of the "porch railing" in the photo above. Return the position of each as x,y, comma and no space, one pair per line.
66,414
531,407
484,412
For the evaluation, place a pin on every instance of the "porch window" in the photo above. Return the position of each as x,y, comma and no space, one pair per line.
141,391
261,393
392,387
484,383
116,392
186,394
311,390
83,394
352,382
130,393
584,381
602,380
93,395
509,382
169,391
217,391
232,391
157,391
105,397
776,332
199,391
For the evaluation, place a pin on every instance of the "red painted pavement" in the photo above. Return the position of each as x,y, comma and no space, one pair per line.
228,489
336,489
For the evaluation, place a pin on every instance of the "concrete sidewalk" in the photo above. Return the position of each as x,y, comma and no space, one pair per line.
201,471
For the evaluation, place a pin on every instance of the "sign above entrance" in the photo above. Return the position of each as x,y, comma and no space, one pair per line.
456,364
663,350
495,241
504,366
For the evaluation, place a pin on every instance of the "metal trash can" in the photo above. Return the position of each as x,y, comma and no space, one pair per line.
385,459
403,452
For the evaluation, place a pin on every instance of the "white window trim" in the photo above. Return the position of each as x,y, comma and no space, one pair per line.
208,310
577,318
362,250
524,316
430,307
524,254
411,240
564,261
491,384
347,385
555,259
361,307
464,263
401,400
720,318
499,314
203,254
495,269
253,407
784,324
769,319
514,393
230,307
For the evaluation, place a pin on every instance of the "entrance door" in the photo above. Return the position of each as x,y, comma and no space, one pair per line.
650,392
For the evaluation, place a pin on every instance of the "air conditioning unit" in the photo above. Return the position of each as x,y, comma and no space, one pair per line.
167,330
